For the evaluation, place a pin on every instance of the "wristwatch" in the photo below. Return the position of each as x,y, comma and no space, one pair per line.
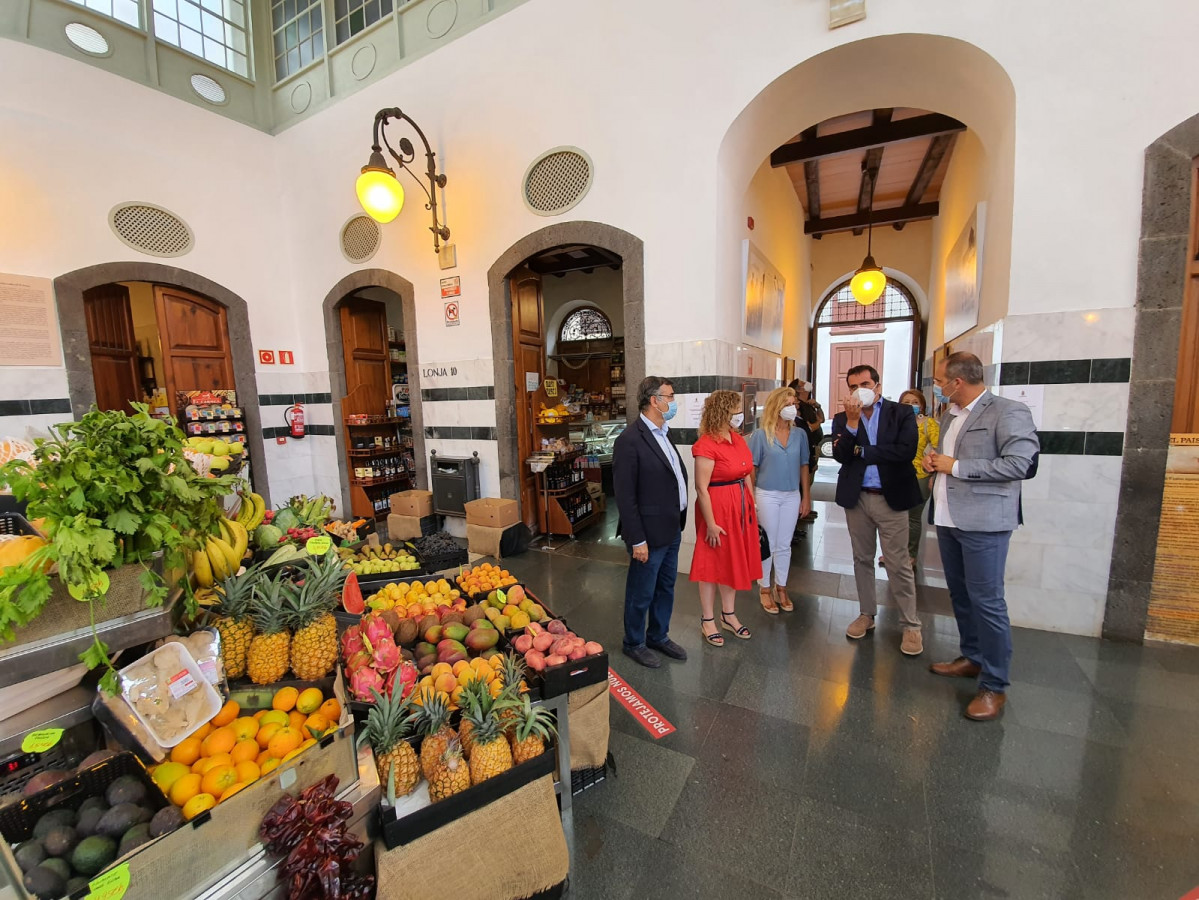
857,449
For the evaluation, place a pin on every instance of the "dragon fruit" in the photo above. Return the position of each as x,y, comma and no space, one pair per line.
404,678
360,660
351,642
363,681
375,628
387,655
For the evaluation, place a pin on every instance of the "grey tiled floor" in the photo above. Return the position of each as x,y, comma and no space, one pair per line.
807,766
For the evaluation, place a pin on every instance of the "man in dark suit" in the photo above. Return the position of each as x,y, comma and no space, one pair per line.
651,493
875,442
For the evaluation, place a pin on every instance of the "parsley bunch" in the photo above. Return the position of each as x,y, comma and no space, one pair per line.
114,489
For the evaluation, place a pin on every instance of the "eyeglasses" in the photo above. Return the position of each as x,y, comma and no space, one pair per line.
664,397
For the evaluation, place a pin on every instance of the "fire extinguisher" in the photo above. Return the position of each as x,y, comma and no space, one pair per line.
294,417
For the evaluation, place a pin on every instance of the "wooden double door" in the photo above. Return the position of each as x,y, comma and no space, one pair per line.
193,334
528,348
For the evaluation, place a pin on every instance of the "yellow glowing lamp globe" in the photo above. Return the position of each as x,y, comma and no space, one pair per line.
868,282
381,195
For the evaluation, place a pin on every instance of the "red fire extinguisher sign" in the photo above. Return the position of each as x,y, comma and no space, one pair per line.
294,417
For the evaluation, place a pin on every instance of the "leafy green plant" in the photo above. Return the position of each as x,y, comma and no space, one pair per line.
113,489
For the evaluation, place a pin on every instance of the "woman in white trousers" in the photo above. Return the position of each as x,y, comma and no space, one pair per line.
782,488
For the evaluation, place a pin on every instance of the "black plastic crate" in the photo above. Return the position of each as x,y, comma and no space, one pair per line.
570,675
433,564
371,584
581,779
15,523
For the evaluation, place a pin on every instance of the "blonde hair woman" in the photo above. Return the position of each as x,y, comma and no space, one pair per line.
726,549
783,484
929,434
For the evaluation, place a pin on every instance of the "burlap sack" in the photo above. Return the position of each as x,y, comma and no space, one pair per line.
588,726
484,867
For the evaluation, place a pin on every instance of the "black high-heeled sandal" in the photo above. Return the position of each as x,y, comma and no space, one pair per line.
716,639
741,632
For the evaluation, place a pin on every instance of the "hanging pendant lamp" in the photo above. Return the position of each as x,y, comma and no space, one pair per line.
868,281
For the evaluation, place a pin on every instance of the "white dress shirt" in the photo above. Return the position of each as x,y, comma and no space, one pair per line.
671,457
949,444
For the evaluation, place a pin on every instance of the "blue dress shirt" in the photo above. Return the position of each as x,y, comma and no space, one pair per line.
870,478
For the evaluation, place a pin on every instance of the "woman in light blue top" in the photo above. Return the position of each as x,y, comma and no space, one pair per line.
782,489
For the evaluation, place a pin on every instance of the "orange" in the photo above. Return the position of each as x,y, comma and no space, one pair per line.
258,715
266,732
248,772
245,750
296,719
184,789
218,779
229,792
198,804
187,751
331,710
203,731
285,740
459,667
315,725
209,763
262,758
245,728
277,716
220,741
310,701
285,699
271,764
167,774
227,714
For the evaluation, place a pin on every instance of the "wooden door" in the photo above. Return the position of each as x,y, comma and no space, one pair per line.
194,334
1186,392
843,358
364,344
115,368
528,339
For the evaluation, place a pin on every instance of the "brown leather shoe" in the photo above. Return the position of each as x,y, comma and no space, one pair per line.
985,706
859,627
959,668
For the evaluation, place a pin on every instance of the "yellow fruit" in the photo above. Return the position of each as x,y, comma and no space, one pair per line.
284,741
166,774
331,710
203,731
198,804
270,765
208,763
220,741
245,728
520,619
227,714
459,667
285,699
310,701
241,785
247,749
185,788
275,716
258,716
266,732
296,720
262,758
441,669
218,779
311,742
248,771
187,751
315,725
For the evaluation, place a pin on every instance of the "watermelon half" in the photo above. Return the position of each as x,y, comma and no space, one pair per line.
351,596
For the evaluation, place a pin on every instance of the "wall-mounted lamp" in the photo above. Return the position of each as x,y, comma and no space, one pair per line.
380,192
868,281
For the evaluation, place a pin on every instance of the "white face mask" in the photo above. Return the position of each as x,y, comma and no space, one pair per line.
865,396
807,386
737,419
787,413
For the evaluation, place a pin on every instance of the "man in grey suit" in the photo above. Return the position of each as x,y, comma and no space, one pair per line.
987,447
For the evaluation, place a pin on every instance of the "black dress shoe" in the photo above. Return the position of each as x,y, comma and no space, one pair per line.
669,648
643,655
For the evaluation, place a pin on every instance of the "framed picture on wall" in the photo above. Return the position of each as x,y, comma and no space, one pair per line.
963,276
763,298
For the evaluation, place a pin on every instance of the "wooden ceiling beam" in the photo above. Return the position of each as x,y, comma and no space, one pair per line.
907,213
938,148
811,177
870,167
873,135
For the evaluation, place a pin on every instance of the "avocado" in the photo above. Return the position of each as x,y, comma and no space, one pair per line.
60,841
134,837
88,820
93,853
29,854
94,759
78,883
53,819
165,821
45,884
96,802
118,820
126,789
61,866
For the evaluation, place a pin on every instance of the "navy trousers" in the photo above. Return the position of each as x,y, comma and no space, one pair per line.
974,562
649,589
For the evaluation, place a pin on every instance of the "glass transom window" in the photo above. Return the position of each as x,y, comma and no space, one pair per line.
299,34
353,16
585,324
126,11
214,30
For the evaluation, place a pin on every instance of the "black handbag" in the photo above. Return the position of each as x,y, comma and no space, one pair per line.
763,543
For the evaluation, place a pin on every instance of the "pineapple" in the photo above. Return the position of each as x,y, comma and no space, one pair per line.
535,724
490,754
235,625
387,727
314,648
432,721
450,773
479,690
512,672
267,660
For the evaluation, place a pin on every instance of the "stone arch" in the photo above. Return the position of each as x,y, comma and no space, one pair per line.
355,281
631,251
68,293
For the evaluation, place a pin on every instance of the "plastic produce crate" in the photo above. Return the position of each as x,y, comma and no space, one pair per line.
15,523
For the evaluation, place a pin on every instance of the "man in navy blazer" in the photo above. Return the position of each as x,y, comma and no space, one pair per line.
651,493
875,442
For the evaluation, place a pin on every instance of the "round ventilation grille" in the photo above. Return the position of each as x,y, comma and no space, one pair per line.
360,239
209,89
87,39
150,229
557,180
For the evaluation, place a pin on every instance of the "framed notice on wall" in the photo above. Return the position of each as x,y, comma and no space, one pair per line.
963,276
30,333
762,300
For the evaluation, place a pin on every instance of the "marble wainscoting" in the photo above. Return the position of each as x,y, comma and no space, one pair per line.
711,358
1083,334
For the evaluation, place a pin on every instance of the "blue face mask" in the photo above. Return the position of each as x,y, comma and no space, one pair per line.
940,397
916,407
671,410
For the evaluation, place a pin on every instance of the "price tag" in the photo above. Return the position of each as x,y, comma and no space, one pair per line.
319,545
551,387
181,684
111,885
41,740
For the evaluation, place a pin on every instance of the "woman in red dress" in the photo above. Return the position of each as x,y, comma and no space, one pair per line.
727,552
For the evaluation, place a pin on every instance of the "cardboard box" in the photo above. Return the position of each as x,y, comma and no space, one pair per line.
492,512
408,528
412,503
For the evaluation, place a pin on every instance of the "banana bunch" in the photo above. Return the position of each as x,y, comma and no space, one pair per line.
222,555
252,512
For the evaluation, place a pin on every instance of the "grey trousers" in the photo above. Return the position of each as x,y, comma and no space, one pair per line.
872,516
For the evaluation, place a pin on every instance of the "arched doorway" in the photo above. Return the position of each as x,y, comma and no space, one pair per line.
69,292
629,249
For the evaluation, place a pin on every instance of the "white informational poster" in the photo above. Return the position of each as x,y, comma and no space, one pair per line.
1031,395
691,407
532,381
30,333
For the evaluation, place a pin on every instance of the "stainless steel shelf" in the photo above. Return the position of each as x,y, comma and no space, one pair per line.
68,708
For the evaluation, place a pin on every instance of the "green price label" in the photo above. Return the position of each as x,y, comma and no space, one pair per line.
41,740
320,545
111,885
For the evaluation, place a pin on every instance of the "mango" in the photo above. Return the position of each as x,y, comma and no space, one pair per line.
434,634
455,631
481,623
424,648
482,639
502,623
450,646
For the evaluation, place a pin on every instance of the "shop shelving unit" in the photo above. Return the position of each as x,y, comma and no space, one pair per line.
368,496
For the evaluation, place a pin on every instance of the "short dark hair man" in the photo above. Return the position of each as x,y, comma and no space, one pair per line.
651,493
987,445
875,442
